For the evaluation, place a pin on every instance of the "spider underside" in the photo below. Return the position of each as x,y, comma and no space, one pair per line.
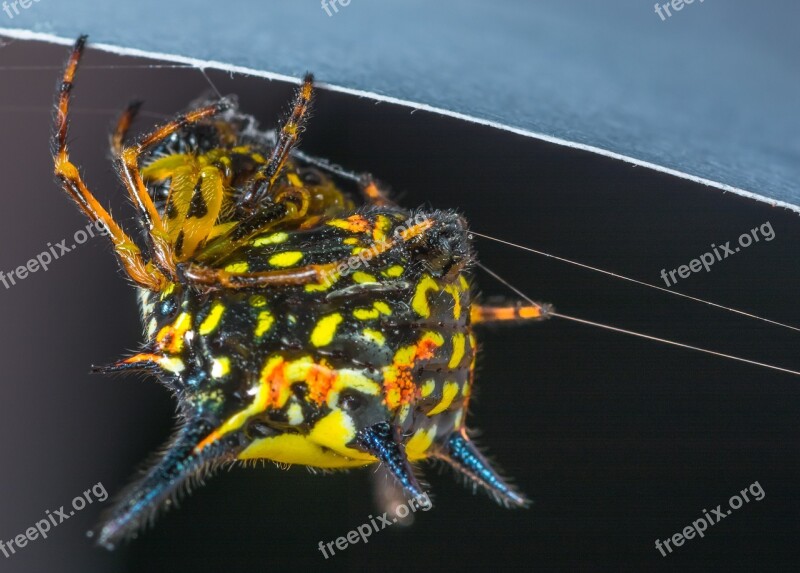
294,310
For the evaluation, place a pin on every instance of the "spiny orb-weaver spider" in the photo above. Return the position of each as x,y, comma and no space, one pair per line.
291,324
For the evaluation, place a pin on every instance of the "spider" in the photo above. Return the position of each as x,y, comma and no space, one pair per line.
293,321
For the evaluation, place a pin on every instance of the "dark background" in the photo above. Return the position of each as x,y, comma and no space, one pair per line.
618,440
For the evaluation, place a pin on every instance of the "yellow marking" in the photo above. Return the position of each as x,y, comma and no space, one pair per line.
294,180
350,241
463,282
183,322
297,370
258,300
398,381
394,271
295,414
334,431
173,365
167,291
353,224
466,390
365,313
403,413
361,278
420,301
455,292
265,320
382,307
420,442
298,449
241,267
382,224
286,259
325,329
273,239
357,250
354,380
170,337
458,350
427,388
448,393
375,336
220,367
212,320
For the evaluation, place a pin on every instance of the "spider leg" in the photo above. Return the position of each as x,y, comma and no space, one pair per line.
144,274
372,191
289,134
131,177
219,278
123,125
214,278
519,312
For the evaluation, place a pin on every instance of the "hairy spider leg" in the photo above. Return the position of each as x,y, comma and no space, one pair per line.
287,139
123,125
220,278
141,272
519,312
372,191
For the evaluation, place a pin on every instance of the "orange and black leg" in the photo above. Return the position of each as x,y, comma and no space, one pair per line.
512,313
373,193
123,125
214,278
287,139
143,273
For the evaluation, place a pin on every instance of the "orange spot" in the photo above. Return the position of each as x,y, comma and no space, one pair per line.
353,224
320,380
398,381
170,338
275,377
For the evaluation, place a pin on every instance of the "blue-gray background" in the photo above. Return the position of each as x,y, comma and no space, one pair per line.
711,91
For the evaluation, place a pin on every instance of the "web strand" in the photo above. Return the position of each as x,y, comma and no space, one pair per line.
638,334
623,277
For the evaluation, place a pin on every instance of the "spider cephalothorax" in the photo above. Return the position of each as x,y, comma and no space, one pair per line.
294,320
